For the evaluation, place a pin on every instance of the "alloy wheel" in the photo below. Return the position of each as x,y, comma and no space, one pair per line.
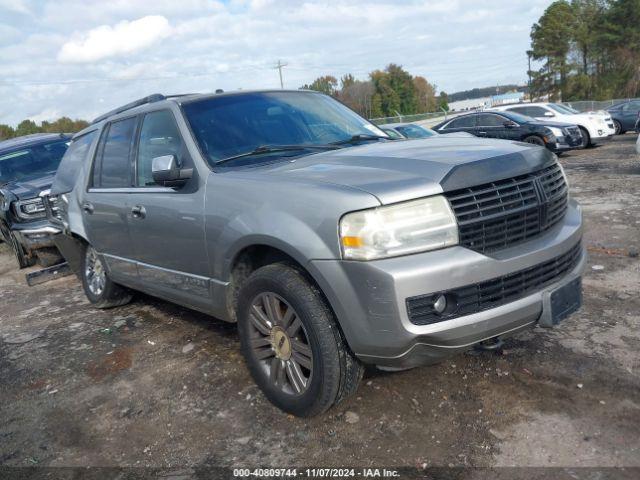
94,272
280,343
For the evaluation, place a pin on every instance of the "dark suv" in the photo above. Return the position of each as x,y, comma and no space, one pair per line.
27,167
624,115
330,245
557,137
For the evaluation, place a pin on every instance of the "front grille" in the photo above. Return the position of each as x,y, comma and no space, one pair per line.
500,214
492,293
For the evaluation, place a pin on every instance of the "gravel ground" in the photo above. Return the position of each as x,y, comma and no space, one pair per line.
153,384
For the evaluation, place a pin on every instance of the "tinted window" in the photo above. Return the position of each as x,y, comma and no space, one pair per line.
32,161
468,121
536,111
115,164
415,131
159,136
71,163
490,120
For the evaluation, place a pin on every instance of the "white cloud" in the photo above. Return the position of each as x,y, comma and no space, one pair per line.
123,38
18,6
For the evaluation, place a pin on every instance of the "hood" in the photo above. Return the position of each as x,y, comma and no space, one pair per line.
407,169
29,187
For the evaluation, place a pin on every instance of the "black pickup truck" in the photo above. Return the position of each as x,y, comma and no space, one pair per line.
27,167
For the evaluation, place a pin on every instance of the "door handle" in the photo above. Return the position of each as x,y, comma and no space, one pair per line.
138,211
87,207
482,133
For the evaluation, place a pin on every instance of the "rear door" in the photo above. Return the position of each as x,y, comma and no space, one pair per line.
167,224
105,206
465,123
492,125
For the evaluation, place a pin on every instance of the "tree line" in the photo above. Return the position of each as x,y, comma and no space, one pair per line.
386,93
589,49
27,127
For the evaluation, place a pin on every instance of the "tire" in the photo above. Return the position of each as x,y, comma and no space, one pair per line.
48,257
99,289
618,126
24,260
535,140
312,368
586,138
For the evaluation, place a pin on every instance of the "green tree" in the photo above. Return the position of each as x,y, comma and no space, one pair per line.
6,132
27,127
551,42
326,84
443,102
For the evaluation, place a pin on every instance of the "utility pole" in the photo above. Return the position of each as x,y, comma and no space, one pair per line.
278,67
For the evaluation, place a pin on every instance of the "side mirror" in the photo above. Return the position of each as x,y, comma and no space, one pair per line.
166,172
510,124
549,114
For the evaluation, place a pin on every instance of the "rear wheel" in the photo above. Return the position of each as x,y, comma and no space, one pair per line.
98,288
535,140
292,345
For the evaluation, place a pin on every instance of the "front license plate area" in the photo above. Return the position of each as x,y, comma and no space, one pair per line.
565,300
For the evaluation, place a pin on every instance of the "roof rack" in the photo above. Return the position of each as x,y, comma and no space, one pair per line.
156,97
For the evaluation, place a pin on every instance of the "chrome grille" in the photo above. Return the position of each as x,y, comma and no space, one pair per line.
500,214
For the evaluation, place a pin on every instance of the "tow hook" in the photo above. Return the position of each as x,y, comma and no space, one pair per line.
494,344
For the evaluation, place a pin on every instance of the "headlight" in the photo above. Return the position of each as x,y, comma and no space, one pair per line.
400,229
30,209
556,131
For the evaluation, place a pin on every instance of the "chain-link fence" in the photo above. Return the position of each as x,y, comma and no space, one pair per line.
592,105
409,118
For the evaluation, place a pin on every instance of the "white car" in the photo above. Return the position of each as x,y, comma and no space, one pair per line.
594,126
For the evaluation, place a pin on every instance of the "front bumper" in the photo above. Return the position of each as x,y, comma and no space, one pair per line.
567,143
35,235
369,298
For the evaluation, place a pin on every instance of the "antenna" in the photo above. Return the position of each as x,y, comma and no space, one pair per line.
279,67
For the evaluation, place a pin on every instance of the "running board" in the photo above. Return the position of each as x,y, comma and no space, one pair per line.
48,274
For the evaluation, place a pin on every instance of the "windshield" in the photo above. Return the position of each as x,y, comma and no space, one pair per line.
231,125
415,131
30,161
561,109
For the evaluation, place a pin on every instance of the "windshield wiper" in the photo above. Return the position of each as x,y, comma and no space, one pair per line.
263,149
360,137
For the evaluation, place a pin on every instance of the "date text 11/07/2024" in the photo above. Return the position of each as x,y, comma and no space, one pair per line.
316,472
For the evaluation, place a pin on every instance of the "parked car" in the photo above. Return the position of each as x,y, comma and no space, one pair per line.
595,127
411,130
330,245
638,145
557,137
624,115
27,166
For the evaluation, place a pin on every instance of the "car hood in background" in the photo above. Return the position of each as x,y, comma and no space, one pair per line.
29,187
401,170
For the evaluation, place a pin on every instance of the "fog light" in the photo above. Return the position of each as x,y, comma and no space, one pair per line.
440,304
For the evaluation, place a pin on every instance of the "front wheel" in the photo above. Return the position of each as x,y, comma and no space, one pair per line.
98,288
618,126
292,345
586,138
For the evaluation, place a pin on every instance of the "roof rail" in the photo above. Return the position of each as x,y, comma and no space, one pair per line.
156,97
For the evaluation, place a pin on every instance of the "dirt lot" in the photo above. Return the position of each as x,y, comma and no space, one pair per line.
153,384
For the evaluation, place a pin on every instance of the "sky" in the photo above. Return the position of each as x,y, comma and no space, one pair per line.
80,58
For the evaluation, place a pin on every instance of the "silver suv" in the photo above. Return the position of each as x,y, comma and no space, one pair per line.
328,244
